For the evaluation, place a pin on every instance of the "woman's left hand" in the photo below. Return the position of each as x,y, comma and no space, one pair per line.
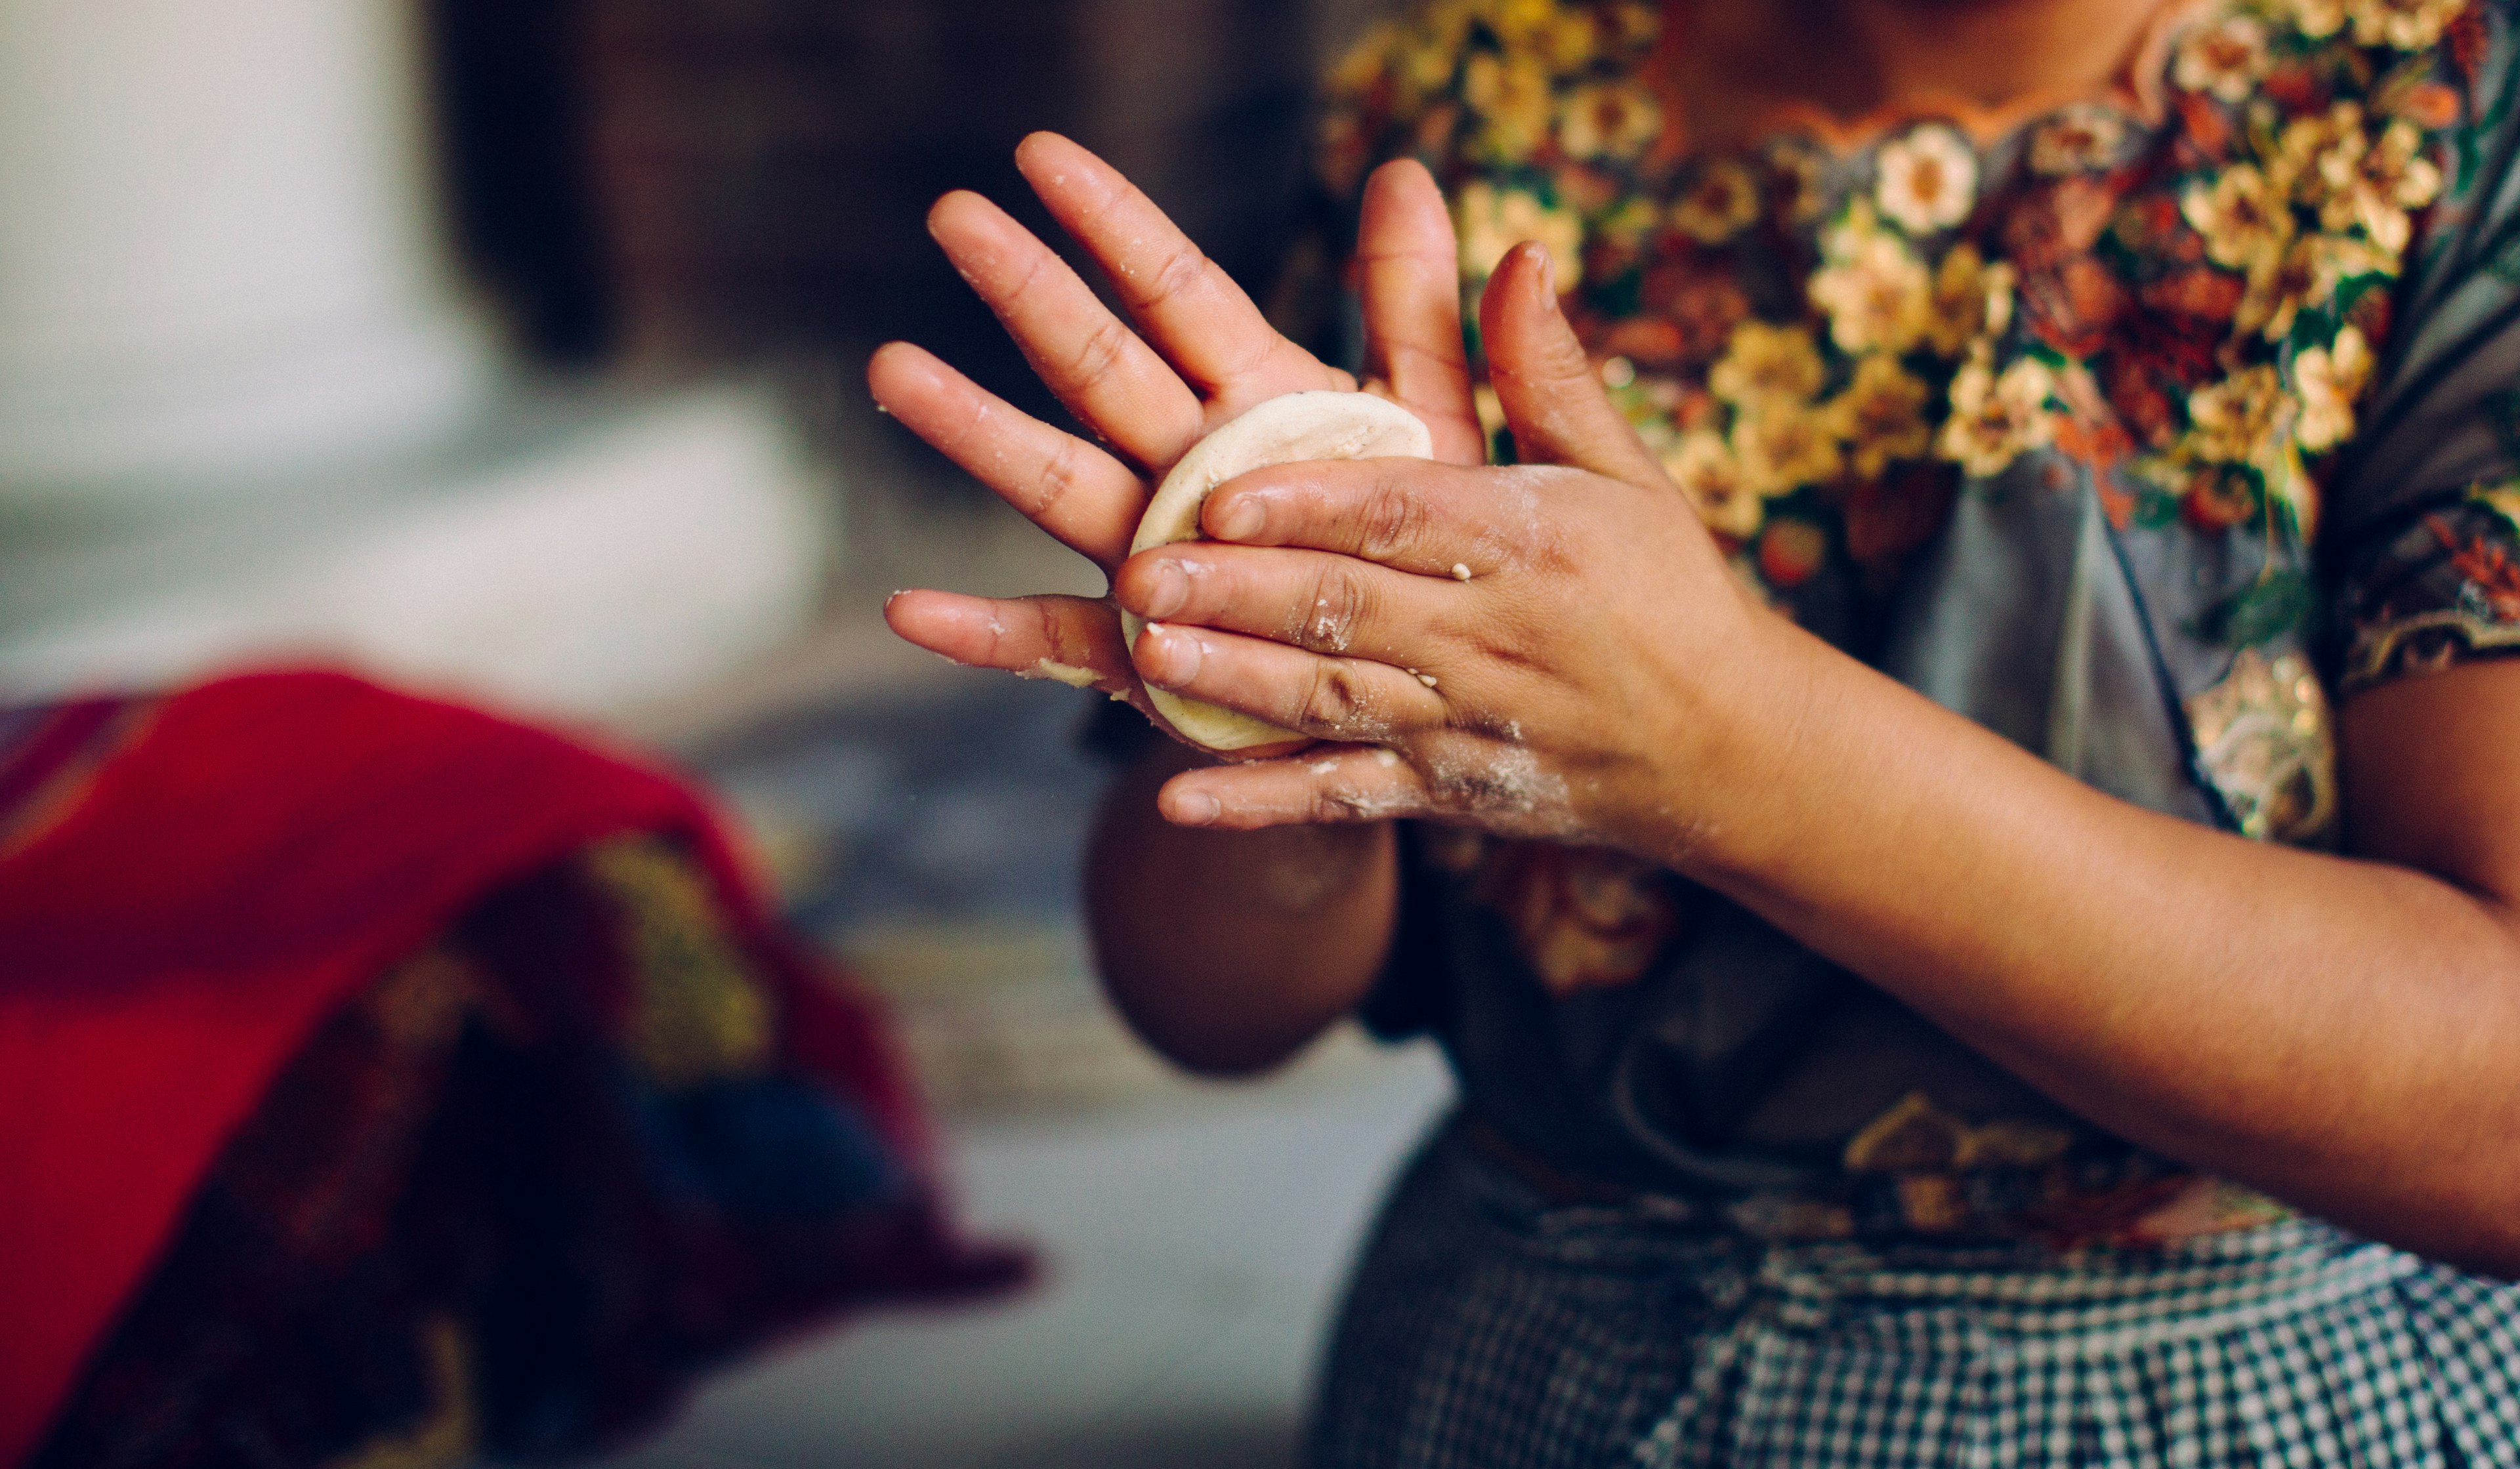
1555,650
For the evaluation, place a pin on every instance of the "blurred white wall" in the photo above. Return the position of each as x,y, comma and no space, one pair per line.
248,412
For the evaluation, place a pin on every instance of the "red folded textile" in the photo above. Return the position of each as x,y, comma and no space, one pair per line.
178,913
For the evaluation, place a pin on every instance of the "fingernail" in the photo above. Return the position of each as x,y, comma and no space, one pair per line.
1241,521
1196,807
1180,652
1170,591
1547,276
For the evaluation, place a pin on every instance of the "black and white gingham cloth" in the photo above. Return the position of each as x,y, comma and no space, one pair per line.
1485,1329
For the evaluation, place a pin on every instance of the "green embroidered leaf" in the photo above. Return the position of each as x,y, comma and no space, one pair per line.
2154,508
1619,298
2267,608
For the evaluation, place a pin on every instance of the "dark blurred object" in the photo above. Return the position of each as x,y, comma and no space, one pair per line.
511,92
760,170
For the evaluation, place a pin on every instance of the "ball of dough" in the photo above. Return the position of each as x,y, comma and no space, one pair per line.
1297,427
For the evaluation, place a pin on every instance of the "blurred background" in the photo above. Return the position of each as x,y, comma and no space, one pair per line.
511,348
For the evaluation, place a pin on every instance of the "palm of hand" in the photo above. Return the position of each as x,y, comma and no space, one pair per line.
1206,354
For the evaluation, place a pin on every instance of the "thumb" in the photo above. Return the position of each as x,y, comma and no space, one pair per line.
1553,399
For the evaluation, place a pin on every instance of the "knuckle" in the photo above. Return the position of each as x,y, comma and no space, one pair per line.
1181,271
1058,477
1036,275
1340,804
1337,699
1565,361
1338,606
1100,350
1393,520
1054,631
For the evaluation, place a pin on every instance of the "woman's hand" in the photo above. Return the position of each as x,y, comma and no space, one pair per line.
1538,650
1200,355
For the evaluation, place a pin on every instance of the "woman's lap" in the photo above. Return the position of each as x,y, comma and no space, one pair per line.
1486,1328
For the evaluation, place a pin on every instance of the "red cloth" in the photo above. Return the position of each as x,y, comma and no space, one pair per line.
265,846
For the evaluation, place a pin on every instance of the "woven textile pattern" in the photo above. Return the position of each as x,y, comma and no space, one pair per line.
1488,1329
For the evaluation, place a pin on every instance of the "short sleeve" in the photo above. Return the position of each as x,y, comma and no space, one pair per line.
2440,588
2421,533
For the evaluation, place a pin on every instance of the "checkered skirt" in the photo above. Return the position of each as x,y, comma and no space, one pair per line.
1487,1328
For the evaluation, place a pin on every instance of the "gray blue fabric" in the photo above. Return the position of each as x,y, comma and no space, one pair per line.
1487,1329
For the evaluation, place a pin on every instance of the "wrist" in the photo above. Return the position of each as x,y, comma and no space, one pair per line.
1727,809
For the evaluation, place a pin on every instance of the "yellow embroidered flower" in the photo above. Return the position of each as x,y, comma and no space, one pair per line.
2304,277
2374,184
2245,221
1996,420
2318,19
1927,180
1608,120
1971,299
2226,59
1705,467
2083,136
1510,96
1783,445
2299,168
1881,415
1872,289
2406,25
2329,380
1569,40
1721,202
1430,49
2238,419
1492,221
1519,22
1763,362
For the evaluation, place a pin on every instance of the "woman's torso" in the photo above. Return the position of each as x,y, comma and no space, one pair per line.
2071,419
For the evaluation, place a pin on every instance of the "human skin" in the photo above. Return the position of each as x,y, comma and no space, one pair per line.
2339,1031
1738,62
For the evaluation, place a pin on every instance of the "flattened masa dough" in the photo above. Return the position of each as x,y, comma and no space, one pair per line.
1293,430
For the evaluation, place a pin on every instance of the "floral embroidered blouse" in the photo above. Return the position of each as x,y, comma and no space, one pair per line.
2138,431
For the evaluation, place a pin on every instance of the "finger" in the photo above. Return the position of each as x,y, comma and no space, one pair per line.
1071,638
1087,356
1325,784
1405,513
1410,279
1190,309
1324,698
1084,497
1553,399
1323,603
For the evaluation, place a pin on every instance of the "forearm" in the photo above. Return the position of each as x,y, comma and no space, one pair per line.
1230,951
2344,1034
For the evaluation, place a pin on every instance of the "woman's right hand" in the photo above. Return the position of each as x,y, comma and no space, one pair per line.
1201,354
